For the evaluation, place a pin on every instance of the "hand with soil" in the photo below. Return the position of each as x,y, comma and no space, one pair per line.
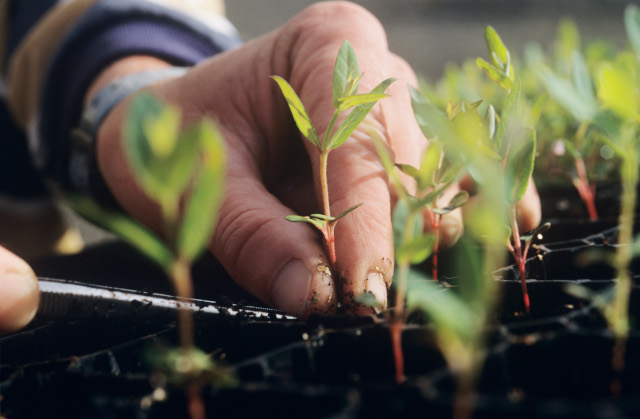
19,295
269,171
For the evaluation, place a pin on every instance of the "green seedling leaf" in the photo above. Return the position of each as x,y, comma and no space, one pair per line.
536,110
201,210
617,91
162,131
430,165
318,223
581,77
129,230
408,170
407,224
528,237
347,102
519,166
508,120
565,94
300,115
567,40
433,124
346,73
174,170
457,201
490,120
450,172
632,27
471,129
347,211
356,116
498,52
417,250
137,148
495,74
449,313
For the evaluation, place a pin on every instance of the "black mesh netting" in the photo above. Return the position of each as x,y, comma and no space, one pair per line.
555,363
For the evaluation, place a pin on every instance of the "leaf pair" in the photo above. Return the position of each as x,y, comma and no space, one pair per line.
499,69
170,164
345,82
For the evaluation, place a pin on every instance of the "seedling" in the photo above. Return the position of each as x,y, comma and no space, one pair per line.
436,173
514,146
173,167
345,83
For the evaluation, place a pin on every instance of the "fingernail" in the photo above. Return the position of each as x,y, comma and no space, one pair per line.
19,302
377,286
290,290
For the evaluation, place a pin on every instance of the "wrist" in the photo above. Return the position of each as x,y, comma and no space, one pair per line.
120,68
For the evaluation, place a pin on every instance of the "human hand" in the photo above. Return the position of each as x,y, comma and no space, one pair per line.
272,171
19,294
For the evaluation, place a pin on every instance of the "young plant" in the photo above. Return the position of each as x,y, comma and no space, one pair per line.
513,145
182,171
459,315
614,112
436,173
345,83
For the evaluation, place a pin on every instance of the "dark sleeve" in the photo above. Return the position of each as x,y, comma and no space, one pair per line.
112,29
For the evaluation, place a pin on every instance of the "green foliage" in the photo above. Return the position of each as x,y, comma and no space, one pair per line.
345,83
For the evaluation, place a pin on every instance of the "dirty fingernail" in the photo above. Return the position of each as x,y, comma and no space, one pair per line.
19,302
376,285
290,290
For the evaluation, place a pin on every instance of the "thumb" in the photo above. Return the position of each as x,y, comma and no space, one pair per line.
19,292
278,261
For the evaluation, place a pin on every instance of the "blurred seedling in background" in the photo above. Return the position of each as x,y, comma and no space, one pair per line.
345,83
183,172
614,111
513,145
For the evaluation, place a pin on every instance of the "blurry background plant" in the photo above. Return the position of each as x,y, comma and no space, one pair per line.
182,171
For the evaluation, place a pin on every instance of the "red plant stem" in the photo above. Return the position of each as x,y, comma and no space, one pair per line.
324,185
586,192
398,322
520,261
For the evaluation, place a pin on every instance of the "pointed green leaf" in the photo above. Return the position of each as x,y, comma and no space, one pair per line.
566,95
299,113
347,102
357,115
407,224
508,120
123,226
632,27
617,91
457,201
346,73
497,50
536,111
319,224
205,199
582,78
415,251
519,166
409,170
495,74
143,107
450,172
162,131
430,165
429,118
348,210
175,170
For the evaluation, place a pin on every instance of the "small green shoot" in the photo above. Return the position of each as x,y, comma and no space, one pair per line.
515,145
183,172
345,83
